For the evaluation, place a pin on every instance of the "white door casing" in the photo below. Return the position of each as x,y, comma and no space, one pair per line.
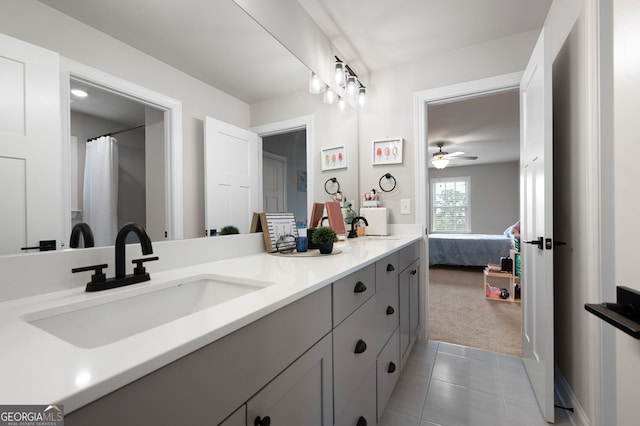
274,183
536,188
231,178
30,146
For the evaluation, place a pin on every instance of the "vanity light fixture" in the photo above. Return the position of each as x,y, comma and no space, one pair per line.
79,93
352,86
341,104
340,75
330,97
362,95
316,86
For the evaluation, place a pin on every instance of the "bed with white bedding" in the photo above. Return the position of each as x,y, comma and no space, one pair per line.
467,249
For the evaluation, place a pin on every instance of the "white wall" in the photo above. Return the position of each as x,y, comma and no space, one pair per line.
627,197
495,194
41,25
389,109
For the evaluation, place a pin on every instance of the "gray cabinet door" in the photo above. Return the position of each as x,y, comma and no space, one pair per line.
239,418
300,395
405,312
414,299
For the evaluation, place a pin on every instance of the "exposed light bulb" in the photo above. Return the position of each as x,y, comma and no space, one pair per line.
341,104
316,86
362,96
330,97
340,76
352,86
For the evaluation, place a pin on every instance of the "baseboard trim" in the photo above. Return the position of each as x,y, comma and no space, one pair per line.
566,398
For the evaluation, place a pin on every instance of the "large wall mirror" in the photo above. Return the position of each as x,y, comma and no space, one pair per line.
209,56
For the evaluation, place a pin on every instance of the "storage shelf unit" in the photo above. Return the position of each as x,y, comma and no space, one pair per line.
498,279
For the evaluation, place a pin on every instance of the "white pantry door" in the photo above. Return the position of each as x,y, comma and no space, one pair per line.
231,175
536,183
30,146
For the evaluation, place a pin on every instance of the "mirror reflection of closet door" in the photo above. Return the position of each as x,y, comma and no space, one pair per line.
231,174
30,146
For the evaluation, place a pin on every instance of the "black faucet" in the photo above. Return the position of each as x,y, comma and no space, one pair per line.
87,235
353,233
99,280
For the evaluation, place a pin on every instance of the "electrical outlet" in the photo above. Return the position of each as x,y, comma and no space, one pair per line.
405,206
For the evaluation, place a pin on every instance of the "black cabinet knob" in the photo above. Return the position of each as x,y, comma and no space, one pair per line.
361,346
361,421
390,310
390,268
415,271
391,368
360,287
266,421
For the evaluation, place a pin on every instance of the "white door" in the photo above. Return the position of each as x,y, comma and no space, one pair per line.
231,177
273,183
536,182
30,146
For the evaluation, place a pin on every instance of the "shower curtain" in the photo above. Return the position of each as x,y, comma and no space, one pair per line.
100,194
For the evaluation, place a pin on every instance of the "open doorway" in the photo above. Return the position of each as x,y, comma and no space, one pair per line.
137,132
284,171
157,120
474,200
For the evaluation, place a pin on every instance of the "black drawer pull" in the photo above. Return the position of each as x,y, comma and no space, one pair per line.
262,422
415,271
390,310
360,287
361,346
390,268
392,368
361,421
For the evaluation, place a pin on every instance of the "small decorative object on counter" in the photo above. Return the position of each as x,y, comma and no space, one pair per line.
324,237
301,244
229,230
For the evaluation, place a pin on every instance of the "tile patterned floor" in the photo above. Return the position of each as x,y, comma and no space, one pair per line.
450,385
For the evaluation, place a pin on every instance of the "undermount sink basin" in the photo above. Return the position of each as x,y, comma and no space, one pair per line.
100,324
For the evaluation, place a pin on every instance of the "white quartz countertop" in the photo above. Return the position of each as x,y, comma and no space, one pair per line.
39,368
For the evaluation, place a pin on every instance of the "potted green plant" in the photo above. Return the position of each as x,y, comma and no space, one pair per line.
324,237
228,230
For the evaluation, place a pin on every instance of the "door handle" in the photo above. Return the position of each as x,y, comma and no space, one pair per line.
538,242
44,245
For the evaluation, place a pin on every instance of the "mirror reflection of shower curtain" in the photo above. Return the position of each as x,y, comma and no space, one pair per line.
100,194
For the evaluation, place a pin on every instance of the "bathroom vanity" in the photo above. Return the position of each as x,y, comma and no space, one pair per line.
319,341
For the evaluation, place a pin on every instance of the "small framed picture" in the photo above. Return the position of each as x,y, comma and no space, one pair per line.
302,180
388,151
333,158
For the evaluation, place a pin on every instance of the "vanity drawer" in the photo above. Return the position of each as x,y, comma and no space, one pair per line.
388,366
387,267
354,352
387,310
407,255
362,403
352,291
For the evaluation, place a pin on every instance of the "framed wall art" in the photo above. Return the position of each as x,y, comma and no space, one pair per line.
333,158
388,151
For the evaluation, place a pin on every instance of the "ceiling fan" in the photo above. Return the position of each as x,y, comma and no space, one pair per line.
441,158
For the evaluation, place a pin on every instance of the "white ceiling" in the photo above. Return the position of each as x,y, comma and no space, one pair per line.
216,42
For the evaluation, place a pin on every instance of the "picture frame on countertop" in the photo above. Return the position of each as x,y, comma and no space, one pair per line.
333,158
276,227
387,151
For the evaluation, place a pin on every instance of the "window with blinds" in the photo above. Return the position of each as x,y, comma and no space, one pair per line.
450,205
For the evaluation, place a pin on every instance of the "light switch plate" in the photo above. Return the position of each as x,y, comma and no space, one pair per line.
405,206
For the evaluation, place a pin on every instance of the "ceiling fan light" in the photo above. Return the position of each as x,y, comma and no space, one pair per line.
440,163
316,86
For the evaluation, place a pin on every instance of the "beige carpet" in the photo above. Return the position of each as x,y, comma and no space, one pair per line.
460,314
